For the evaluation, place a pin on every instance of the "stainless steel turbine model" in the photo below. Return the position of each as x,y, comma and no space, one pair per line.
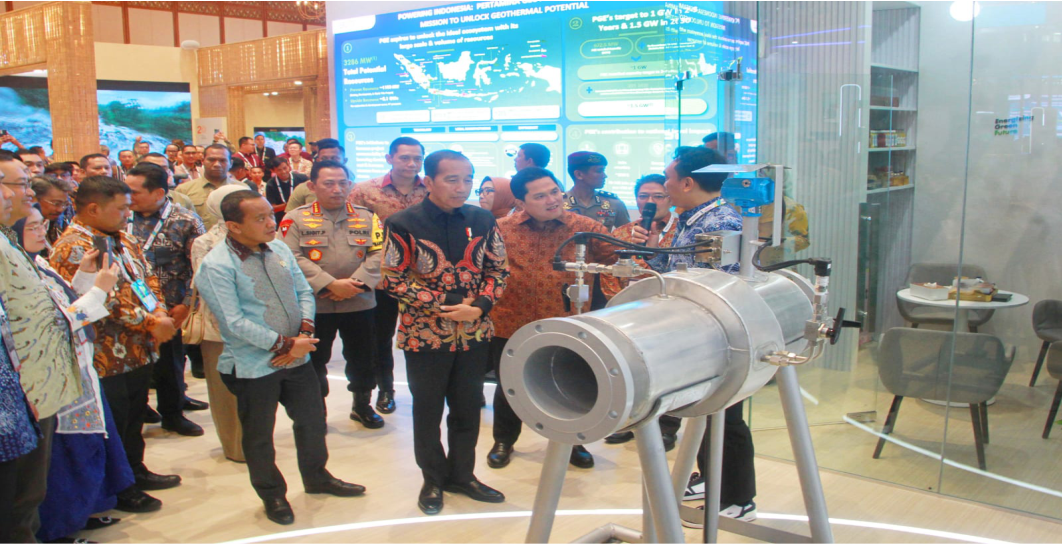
688,343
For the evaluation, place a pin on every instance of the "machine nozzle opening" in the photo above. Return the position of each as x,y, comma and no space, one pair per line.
560,382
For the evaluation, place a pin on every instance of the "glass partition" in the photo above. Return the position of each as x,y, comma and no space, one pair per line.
923,144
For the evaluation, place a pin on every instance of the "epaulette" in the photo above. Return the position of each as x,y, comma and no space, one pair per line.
607,194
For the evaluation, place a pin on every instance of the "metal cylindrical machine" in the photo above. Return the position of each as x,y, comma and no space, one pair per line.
692,352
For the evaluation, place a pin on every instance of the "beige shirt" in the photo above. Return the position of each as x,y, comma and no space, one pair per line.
300,196
197,191
336,244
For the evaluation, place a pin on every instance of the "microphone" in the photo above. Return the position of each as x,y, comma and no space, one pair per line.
648,214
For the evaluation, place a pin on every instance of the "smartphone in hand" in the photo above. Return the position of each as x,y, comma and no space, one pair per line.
104,245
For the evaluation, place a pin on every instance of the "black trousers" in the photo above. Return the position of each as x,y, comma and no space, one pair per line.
256,404
739,469
385,320
195,356
23,485
453,379
507,424
169,378
128,395
669,425
359,343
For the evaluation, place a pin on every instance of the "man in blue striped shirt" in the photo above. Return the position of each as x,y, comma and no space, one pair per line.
265,308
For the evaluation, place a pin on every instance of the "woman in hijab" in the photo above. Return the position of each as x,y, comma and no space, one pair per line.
496,197
222,401
88,468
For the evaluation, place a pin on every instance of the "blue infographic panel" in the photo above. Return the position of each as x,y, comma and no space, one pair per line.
485,77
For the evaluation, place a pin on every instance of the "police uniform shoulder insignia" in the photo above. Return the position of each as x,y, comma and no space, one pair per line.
314,242
315,255
285,225
605,204
607,194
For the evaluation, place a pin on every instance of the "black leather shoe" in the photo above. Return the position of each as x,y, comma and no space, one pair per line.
100,522
385,402
476,491
136,501
430,500
192,405
336,487
669,441
152,417
362,412
149,481
581,458
279,511
619,438
182,426
499,455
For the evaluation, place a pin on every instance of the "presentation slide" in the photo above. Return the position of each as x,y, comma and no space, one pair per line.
485,77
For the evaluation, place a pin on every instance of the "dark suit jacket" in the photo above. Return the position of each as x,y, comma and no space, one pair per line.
275,197
269,153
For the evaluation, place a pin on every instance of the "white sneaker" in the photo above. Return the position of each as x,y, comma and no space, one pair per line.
735,511
695,488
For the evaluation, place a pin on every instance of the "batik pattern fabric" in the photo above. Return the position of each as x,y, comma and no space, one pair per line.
123,339
534,290
85,414
170,253
40,332
433,259
611,285
380,196
18,430
711,216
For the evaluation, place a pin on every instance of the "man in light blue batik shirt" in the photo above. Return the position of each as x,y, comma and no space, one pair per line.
265,308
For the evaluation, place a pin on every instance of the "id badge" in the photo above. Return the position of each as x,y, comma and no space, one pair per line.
147,298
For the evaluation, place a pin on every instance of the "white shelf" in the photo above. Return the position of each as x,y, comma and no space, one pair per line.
889,189
887,108
893,68
879,149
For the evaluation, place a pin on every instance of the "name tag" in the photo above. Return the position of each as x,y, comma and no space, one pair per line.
147,298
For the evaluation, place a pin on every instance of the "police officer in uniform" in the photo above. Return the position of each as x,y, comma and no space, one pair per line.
338,247
587,170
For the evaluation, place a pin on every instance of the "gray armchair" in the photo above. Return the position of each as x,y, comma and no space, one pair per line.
943,274
1054,368
918,363
1047,323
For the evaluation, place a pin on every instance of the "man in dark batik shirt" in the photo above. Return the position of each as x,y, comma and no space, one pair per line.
445,263
165,232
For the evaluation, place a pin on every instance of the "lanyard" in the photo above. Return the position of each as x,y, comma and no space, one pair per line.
129,271
166,211
280,190
693,219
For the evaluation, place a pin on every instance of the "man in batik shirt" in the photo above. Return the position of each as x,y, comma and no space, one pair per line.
446,264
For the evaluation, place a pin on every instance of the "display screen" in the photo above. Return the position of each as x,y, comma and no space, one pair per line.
483,78
276,137
157,112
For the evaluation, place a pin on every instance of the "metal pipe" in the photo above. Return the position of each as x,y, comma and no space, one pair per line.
550,484
686,456
610,532
648,529
713,481
750,234
654,472
796,421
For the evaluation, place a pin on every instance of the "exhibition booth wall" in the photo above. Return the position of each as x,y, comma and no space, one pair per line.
922,139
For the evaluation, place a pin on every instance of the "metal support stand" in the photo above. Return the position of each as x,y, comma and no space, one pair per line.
717,423
657,482
686,456
549,491
796,420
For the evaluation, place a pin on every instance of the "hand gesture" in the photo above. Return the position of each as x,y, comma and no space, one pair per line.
345,288
461,312
639,235
88,261
165,329
107,278
139,138
179,313
303,345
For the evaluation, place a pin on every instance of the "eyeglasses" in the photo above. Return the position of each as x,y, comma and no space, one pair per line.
62,204
481,192
21,186
37,227
658,197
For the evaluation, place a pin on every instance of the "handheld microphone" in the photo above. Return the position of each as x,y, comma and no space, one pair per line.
648,214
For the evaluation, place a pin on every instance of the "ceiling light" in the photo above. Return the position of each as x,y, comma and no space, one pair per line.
265,94
964,10
297,82
275,93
